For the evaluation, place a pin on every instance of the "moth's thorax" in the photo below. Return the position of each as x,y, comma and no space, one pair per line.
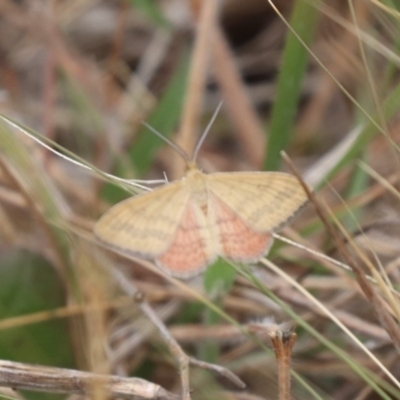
196,182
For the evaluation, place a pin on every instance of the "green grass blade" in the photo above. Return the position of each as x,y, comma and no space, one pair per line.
164,119
152,11
294,62
389,108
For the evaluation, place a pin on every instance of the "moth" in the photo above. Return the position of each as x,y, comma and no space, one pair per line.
184,225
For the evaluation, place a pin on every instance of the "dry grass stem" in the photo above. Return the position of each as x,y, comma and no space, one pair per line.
79,79
58,380
237,101
283,341
196,81
184,361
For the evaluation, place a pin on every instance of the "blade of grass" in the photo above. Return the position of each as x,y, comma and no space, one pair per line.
29,284
164,119
294,62
364,373
47,205
218,280
152,11
390,108
357,186
64,153
39,190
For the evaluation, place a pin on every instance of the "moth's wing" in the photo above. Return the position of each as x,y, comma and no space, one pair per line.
265,201
238,241
189,252
144,225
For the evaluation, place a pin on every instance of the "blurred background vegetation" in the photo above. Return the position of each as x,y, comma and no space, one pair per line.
86,73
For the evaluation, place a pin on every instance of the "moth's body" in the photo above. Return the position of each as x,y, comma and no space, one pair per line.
198,220
186,224
196,183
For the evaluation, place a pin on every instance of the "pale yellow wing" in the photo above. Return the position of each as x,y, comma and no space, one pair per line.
144,225
265,201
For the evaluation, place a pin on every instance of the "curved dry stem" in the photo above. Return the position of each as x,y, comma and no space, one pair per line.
60,380
184,361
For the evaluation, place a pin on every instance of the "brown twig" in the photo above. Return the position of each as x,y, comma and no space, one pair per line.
182,358
196,81
378,305
116,48
49,94
28,196
237,101
283,340
59,380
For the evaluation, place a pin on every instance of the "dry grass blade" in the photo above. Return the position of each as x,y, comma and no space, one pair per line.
58,380
237,101
180,356
368,289
86,74
378,305
208,11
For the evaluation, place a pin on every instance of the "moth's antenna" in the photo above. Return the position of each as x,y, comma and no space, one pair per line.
170,142
205,133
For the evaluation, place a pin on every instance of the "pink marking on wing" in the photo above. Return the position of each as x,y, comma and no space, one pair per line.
186,256
239,242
